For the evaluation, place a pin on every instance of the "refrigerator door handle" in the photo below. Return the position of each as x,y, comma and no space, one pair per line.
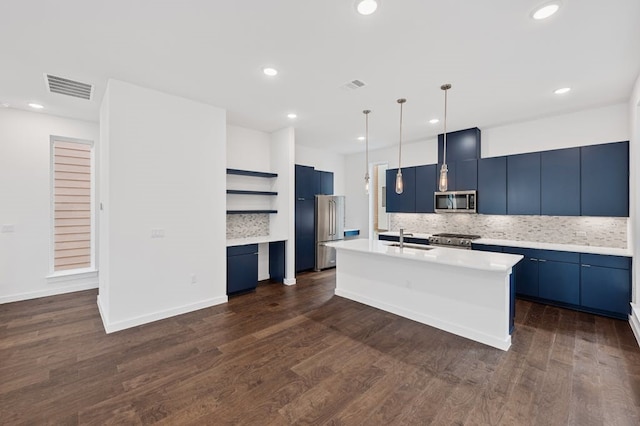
332,214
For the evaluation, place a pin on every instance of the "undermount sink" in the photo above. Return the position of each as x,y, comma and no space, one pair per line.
412,246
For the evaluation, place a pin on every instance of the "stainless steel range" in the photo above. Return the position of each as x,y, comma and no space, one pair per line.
462,241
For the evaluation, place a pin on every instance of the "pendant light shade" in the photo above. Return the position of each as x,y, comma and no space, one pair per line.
399,181
366,138
443,181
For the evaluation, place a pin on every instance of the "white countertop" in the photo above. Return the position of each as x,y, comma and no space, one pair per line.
553,246
254,240
487,261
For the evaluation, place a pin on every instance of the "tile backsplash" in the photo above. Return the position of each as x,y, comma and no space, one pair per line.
581,230
247,225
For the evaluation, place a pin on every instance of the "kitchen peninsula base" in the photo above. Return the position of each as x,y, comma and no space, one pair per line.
450,289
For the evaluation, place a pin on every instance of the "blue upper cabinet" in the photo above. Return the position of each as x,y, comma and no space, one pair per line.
405,202
605,179
466,175
426,186
492,185
560,182
461,145
523,184
324,182
306,183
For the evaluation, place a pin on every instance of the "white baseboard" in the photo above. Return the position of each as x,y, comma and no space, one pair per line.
289,281
111,327
50,292
634,321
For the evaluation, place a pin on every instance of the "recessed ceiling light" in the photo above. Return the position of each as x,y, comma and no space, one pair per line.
35,106
545,11
360,138
270,71
366,7
434,121
562,90
292,115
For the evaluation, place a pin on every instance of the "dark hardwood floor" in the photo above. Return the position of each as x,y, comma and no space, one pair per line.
300,355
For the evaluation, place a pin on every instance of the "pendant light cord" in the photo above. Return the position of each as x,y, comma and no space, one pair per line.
366,114
400,101
444,158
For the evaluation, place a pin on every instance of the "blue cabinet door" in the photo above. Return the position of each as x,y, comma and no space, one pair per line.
560,182
461,145
324,182
242,268
305,234
605,180
606,289
523,184
559,281
405,202
466,175
306,182
492,185
526,271
426,186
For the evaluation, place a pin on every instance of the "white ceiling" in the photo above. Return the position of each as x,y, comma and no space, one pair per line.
503,65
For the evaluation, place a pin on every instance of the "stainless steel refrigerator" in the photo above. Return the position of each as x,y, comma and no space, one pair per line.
329,224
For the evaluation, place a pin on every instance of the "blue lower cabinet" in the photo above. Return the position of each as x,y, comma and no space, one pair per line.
559,281
526,271
276,261
605,284
487,247
242,268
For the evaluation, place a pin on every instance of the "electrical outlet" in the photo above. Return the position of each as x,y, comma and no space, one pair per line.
194,279
7,229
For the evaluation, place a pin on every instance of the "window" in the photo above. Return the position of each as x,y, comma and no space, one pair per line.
72,204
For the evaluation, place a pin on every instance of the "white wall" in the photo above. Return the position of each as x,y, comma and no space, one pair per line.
165,170
25,202
592,126
634,185
326,161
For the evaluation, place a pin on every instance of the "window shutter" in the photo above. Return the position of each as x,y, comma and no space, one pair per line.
72,205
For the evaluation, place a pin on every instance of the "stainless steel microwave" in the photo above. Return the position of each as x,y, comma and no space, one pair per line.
455,202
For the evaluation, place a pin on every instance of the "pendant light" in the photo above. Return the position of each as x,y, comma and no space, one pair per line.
443,182
366,138
399,181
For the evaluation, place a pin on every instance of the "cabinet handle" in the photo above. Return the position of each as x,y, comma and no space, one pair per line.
586,266
534,259
300,199
541,260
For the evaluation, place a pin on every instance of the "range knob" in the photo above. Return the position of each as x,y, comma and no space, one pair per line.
448,240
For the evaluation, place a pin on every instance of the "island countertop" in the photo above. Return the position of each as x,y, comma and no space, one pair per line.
486,261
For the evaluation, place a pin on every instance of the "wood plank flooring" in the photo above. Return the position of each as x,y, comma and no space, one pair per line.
300,355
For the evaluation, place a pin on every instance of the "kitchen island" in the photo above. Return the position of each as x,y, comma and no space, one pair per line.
464,292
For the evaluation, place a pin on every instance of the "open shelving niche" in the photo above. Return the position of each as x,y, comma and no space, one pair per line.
256,194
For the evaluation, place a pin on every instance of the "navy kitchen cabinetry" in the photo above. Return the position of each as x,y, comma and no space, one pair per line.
426,186
492,185
306,182
324,182
599,284
412,240
461,145
466,175
526,271
486,247
605,179
405,202
307,186
523,184
606,284
305,234
560,182
242,268
559,276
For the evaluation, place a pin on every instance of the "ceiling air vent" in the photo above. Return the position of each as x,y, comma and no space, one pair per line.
354,84
64,86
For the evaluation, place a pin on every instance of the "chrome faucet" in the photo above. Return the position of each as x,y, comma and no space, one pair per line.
402,235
